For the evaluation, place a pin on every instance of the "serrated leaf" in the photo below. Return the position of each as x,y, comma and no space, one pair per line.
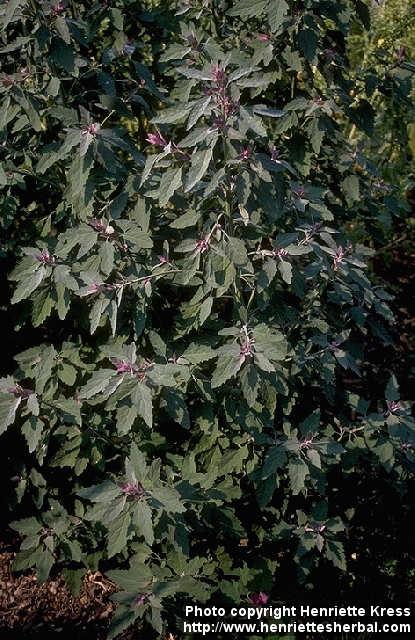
351,189
198,110
97,383
335,554
169,498
248,8
197,353
200,163
297,472
142,520
142,400
44,564
285,270
276,10
188,219
8,407
171,180
125,419
275,459
117,534
227,367
27,285
32,430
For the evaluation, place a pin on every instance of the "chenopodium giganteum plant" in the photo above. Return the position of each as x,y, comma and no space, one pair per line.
190,434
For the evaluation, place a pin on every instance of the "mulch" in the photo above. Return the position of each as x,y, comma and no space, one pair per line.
28,608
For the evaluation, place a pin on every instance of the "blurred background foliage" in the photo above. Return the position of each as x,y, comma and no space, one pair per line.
389,49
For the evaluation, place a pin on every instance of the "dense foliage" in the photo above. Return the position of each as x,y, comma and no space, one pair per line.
192,398
387,51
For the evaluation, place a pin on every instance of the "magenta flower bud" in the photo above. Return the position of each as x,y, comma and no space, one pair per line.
280,253
132,489
258,599
202,245
218,74
141,599
45,257
156,139
338,258
94,287
264,37
393,407
18,392
92,129
123,366
58,9
245,154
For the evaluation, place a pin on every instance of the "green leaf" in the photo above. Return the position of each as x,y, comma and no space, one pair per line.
169,498
227,367
32,430
26,526
261,110
351,189
249,383
97,383
392,390
297,472
188,219
276,10
172,115
107,257
73,579
28,284
248,8
285,270
197,353
126,416
314,458
199,166
44,564
10,10
8,407
104,492
308,42
271,343
142,521
123,619
198,110
117,534
171,180
67,373
142,400
176,407
335,554
275,459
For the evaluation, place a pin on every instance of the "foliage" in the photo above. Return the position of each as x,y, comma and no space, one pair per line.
388,51
198,312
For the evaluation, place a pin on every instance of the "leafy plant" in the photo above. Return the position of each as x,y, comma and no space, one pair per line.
186,402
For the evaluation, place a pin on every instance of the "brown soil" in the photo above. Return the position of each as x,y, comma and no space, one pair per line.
27,605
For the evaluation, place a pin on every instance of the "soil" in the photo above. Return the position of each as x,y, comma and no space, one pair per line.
29,609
